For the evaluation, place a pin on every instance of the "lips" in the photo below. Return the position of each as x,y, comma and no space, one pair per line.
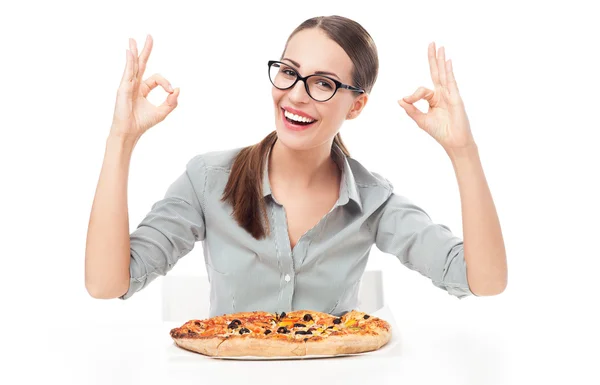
298,112
293,126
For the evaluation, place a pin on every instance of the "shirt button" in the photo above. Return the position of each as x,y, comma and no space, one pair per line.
287,278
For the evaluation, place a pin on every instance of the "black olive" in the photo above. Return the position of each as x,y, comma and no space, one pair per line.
307,317
232,325
308,332
237,321
197,323
330,327
299,325
337,321
306,339
301,332
282,329
366,316
244,330
282,316
267,331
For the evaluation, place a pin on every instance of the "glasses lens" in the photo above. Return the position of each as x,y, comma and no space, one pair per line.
282,76
321,88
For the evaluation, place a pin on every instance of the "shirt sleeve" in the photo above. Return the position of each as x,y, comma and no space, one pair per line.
406,231
170,230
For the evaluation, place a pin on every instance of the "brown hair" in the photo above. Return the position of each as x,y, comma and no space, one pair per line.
244,186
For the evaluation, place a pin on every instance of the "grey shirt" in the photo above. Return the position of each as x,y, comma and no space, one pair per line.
323,270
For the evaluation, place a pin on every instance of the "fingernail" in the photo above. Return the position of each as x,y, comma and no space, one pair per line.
171,88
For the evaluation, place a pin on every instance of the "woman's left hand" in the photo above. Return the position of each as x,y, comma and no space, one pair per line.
446,120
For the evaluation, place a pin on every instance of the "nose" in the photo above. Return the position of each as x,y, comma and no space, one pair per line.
298,93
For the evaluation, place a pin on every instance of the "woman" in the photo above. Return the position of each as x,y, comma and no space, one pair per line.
288,223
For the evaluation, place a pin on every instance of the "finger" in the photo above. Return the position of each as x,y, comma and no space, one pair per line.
153,81
133,49
144,56
441,59
413,112
128,72
452,86
420,93
433,67
169,104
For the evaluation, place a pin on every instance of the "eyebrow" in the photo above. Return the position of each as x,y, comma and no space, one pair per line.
316,72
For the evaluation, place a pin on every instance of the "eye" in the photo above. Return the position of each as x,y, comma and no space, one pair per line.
325,84
289,72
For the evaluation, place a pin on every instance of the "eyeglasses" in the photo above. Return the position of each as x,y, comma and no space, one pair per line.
319,87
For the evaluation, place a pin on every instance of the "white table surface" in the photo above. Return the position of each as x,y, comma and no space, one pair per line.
439,351
135,353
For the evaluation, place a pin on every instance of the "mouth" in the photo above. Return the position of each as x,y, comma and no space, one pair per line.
296,122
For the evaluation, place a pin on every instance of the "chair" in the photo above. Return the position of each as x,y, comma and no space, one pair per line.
186,297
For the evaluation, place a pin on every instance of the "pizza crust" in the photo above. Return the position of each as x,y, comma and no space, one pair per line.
240,347
206,346
257,347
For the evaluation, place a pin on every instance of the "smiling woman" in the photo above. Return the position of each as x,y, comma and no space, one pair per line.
287,223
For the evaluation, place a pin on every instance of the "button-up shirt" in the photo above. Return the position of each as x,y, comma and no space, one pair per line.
323,270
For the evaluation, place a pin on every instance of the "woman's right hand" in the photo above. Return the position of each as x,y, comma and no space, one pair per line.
134,114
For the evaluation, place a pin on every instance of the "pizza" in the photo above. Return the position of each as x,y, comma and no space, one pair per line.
295,334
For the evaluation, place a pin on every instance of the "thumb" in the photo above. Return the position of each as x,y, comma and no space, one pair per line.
169,104
412,111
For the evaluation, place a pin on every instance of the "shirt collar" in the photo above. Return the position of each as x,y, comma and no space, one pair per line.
348,188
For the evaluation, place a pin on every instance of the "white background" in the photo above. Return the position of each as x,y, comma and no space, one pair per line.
528,73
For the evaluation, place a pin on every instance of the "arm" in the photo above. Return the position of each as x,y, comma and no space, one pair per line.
107,242
483,242
170,230
119,264
406,231
447,122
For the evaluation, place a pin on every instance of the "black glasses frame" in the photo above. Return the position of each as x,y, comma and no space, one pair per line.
337,83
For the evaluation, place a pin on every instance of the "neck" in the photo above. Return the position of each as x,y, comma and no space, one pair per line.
302,169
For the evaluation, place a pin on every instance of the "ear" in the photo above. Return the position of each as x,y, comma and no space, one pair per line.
357,105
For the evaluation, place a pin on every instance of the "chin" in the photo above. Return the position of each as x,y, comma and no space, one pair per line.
291,141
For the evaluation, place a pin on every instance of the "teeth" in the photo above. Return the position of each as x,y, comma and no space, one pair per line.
297,118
